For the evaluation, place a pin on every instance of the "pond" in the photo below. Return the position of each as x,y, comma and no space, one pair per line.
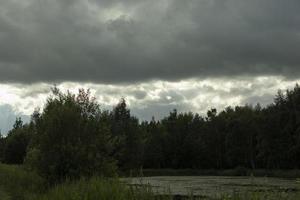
214,186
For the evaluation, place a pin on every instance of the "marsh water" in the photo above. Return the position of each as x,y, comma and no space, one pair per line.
212,186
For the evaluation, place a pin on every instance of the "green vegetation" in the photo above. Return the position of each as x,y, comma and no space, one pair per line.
72,137
96,188
72,141
3,195
17,183
14,146
289,174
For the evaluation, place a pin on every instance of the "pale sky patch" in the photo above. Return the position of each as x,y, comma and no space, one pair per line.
190,95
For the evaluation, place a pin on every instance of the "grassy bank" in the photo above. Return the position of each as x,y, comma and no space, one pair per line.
97,188
18,184
3,195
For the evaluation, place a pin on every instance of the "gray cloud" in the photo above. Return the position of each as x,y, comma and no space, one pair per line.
157,110
114,41
263,100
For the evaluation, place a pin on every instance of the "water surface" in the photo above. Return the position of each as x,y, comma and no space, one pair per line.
212,186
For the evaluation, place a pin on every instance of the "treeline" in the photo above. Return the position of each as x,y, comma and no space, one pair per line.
73,137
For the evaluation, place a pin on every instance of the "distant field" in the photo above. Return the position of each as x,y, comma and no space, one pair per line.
217,186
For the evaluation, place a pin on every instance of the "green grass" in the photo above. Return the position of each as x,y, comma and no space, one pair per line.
96,188
3,195
17,183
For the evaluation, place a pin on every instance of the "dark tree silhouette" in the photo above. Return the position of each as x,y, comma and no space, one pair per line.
72,137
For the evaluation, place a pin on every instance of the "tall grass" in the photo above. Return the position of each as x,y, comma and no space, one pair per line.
4,195
17,183
98,188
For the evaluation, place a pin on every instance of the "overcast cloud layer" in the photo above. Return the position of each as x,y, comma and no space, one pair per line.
116,41
186,54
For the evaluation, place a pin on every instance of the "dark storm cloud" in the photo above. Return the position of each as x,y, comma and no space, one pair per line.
127,41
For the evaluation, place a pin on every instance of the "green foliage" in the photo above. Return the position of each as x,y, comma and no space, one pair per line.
2,146
244,136
96,188
154,145
4,195
16,143
17,183
126,129
71,139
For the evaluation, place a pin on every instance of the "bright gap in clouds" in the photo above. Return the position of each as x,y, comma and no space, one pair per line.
156,98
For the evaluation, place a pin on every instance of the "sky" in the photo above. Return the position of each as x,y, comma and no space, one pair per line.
192,55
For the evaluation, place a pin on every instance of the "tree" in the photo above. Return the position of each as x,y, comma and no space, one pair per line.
241,137
16,143
71,139
154,145
126,128
2,145
18,123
